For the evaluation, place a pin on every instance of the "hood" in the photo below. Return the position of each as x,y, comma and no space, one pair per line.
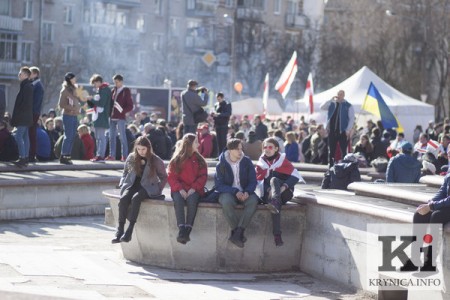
224,157
103,85
344,168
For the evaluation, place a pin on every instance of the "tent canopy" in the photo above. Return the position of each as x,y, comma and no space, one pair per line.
251,106
409,111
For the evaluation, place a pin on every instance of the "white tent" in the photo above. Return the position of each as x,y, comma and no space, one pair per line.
409,111
251,106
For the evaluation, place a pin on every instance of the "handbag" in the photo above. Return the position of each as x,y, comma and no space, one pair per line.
200,116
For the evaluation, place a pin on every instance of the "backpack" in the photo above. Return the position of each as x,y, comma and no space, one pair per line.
10,150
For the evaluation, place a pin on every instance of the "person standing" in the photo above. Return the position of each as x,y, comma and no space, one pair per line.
191,102
144,176
221,118
38,97
260,128
102,106
235,181
22,116
70,106
123,103
187,175
340,119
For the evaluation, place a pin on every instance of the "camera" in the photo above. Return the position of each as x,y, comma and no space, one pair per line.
202,89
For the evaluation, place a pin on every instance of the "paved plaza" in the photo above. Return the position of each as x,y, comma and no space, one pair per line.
72,258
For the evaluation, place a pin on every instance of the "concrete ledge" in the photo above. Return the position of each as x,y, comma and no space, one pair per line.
432,180
154,240
413,194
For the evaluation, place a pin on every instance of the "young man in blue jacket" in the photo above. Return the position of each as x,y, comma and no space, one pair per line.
235,181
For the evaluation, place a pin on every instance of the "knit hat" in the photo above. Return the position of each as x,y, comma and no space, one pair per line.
69,75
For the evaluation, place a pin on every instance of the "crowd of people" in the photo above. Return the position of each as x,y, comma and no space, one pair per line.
98,127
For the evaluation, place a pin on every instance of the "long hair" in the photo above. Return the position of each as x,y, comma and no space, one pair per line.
137,166
185,150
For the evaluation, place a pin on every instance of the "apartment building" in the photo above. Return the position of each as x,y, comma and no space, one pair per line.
217,42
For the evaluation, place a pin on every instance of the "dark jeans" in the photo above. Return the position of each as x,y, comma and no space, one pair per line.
333,139
32,136
132,196
191,202
221,132
275,190
229,202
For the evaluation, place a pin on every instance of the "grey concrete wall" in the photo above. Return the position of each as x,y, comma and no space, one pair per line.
58,200
154,240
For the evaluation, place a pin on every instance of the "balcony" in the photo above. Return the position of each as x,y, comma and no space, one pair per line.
297,21
10,23
9,69
196,43
249,14
104,31
132,3
199,9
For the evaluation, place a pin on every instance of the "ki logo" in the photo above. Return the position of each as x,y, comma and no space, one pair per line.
399,252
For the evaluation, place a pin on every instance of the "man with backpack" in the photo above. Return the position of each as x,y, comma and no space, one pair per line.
191,104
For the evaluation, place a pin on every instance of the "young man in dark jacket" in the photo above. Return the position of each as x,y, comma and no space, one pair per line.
38,97
221,118
403,167
235,181
22,116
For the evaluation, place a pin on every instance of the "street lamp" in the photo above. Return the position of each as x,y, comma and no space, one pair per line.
231,20
424,51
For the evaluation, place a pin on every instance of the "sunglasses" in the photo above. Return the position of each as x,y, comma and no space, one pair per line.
269,147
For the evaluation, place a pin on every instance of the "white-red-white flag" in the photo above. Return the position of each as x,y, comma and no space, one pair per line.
309,93
287,77
266,93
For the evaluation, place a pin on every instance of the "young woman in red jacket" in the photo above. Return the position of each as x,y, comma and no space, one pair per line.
187,175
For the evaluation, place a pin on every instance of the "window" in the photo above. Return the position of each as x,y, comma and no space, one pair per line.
28,10
68,13
47,32
229,3
174,24
8,46
277,7
121,18
141,60
140,23
68,53
158,7
157,41
5,6
26,52
190,4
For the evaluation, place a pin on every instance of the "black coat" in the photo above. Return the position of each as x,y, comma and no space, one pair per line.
223,113
23,107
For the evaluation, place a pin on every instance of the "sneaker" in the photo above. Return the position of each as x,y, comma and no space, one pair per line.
98,159
123,159
278,240
65,160
274,206
21,162
110,158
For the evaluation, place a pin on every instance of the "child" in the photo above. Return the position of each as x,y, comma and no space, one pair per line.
277,177
88,141
142,170
187,178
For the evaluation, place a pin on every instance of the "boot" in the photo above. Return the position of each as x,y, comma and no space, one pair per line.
21,162
65,160
243,238
278,240
236,237
119,233
188,232
126,237
181,238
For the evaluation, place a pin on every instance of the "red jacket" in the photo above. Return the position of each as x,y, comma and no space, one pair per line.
89,146
124,100
205,145
190,176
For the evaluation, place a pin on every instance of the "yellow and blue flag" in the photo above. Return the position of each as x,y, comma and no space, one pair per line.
375,105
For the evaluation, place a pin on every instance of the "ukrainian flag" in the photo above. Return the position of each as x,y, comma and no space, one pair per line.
375,105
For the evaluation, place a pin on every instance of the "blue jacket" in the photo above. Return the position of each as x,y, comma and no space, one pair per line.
291,151
38,95
442,197
224,176
346,117
403,168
